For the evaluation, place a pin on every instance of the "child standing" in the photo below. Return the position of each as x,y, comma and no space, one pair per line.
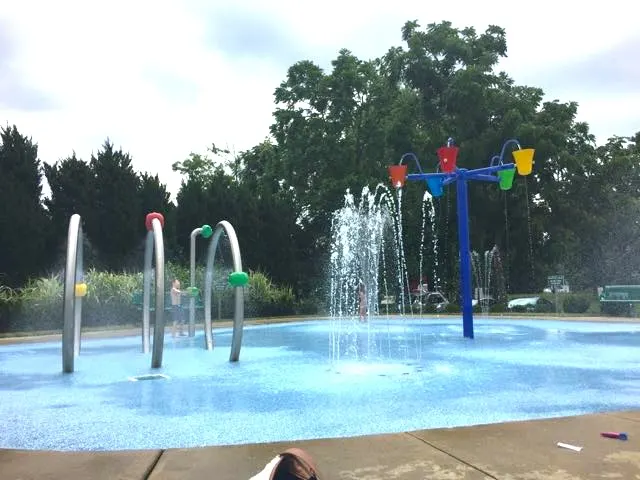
176,308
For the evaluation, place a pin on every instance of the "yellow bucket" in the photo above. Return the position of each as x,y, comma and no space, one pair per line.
524,160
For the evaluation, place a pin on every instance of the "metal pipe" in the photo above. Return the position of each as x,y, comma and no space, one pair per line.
238,318
158,327
77,300
192,281
69,295
208,287
414,157
511,141
146,292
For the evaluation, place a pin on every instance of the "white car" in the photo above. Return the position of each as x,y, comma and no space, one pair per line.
484,301
436,299
530,304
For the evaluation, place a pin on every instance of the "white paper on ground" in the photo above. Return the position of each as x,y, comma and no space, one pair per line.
266,472
570,447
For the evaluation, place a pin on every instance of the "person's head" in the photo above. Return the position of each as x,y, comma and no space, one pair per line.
176,283
295,464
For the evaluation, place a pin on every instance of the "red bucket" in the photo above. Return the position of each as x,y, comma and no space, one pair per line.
448,157
398,175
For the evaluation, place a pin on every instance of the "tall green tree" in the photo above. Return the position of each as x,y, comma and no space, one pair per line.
114,225
198,171
341,129
24,224
275,240
71,182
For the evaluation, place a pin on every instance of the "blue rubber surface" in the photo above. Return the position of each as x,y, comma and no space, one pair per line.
419,374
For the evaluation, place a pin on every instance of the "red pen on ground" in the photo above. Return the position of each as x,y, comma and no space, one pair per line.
617,435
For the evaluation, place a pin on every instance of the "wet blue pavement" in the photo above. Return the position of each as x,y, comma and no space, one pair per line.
288,385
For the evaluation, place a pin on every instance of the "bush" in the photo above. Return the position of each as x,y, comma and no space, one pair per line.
452,308
617,309
38,305
428,309
576,303
499,307
105,288
266,299
545,308
308,306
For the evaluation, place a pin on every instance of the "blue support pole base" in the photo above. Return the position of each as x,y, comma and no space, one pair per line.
465,256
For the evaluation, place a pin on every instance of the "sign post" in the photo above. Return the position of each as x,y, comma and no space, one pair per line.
556,282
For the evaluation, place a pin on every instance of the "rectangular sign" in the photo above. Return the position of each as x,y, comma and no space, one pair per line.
555,280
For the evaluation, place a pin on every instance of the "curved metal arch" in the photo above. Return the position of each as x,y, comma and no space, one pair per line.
154,244
238,318
72,304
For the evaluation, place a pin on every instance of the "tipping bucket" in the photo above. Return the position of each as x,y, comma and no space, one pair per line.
81,289
448,156
435,186
506,178
524,160
398,175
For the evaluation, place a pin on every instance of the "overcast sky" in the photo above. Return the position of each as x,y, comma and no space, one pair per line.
164,78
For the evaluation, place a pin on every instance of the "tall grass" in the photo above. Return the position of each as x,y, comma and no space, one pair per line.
267,299
38,305
105,288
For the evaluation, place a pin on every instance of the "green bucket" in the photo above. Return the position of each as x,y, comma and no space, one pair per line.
506,178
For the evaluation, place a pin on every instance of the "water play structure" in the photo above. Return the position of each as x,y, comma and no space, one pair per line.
237,279
205,231
499,171
154,222
153,273
74,290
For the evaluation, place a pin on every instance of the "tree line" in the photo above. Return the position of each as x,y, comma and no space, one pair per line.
339,129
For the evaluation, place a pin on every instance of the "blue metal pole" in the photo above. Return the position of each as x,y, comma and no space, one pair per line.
465,254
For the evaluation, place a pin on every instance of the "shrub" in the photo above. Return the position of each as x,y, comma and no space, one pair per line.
427,309
545,308
106,288
38,305
308,306
42,290
617,309
452,308
266,299
576,303
499,307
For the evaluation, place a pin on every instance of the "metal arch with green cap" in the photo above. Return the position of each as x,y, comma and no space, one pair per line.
205,231
238,279
498,171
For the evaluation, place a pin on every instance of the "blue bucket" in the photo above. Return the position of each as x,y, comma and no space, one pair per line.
435,186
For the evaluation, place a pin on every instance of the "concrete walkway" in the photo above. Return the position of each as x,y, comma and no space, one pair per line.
508,451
